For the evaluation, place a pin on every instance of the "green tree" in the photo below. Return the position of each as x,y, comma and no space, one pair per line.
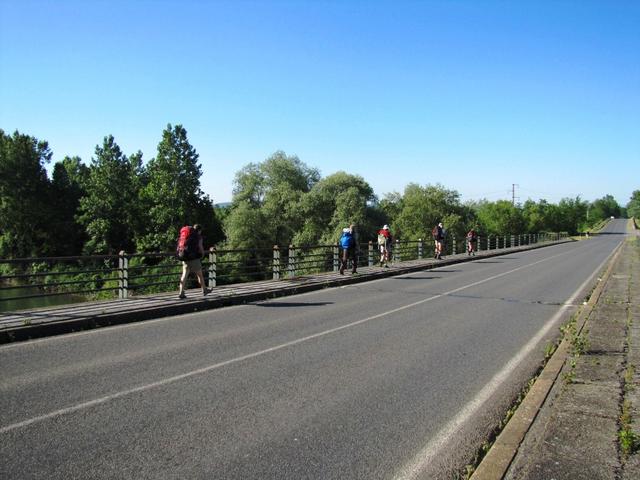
633,207
573,214
108,210
274,190
24,196
68,187
535,215
334,203
604,208
172,195
424,207
500,218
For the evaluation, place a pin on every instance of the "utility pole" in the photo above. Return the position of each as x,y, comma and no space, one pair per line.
513,193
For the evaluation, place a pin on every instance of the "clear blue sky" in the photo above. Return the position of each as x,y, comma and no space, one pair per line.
474,95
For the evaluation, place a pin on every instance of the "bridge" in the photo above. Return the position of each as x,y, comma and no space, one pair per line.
398,373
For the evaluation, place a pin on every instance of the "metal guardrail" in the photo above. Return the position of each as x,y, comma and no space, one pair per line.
126,275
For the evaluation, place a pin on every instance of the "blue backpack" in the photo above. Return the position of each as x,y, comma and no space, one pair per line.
346,240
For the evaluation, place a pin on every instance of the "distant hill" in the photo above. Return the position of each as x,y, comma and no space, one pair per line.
222,205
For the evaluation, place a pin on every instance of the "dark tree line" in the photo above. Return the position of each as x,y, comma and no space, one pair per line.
118,202
115,203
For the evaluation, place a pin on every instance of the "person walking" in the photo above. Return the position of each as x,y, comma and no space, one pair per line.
190,250
385,242
438,234
349,250
472,242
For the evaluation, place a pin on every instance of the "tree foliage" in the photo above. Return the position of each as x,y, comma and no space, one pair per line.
172,195
69,182
633,207
108,210
269,192
25,194
335,202
118,203
423,207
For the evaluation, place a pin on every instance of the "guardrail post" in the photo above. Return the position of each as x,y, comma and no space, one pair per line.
420,249
336,257
292,261
123,275
453,245
513,241
397,254
276,263
212,272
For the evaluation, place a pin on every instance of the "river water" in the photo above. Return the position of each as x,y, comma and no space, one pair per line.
38,302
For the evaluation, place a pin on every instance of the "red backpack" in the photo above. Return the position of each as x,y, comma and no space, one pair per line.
187,248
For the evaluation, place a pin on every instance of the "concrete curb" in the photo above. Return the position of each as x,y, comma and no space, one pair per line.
495,464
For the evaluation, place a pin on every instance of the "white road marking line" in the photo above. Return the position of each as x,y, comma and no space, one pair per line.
200,371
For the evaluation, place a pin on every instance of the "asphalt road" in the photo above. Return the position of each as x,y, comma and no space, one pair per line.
390,379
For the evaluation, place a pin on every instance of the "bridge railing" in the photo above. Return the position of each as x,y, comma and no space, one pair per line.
130,274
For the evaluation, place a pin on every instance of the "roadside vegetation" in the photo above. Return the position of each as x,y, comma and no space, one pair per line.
629,433
119,202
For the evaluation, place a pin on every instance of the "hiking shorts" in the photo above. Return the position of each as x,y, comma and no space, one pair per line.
193,265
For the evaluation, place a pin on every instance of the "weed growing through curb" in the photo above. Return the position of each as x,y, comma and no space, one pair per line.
628,378
486,446
579,345
629,440
549,350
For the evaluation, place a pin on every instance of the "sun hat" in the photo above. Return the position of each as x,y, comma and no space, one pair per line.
386,227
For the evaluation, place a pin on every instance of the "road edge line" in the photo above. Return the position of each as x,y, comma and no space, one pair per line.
498,459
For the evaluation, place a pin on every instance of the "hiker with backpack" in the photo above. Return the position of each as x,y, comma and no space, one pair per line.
190,251
472,242
385,242
438,234
348,245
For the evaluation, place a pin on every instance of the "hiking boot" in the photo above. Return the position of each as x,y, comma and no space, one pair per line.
182,296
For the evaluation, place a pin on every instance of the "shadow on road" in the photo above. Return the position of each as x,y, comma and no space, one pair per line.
415,278
291,304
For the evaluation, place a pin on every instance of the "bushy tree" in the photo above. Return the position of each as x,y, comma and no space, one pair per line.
535,215
633,207
25,199
334,203
499,218
108,210
604,208
172,195
274,189
424,207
